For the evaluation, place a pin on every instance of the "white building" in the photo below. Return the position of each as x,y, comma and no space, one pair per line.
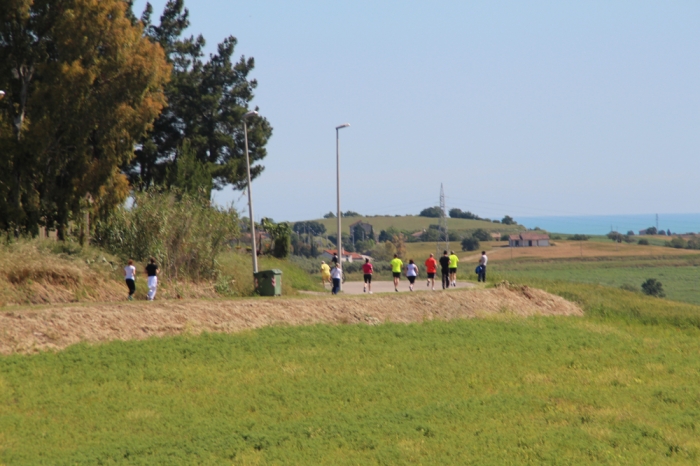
528,239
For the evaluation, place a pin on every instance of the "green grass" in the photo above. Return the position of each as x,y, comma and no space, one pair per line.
237,274
415,223
679,275
618,386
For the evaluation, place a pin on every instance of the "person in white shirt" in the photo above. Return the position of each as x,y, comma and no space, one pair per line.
482,264
411,273
130,277
336,275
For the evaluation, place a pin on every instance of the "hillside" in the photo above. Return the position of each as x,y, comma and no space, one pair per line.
415,223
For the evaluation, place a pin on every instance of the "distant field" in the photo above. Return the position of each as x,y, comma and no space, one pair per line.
602,263
582,249
415,223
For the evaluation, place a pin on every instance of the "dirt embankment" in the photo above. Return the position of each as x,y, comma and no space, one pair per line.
32,330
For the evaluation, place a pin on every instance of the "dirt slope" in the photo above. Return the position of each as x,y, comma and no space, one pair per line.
32,330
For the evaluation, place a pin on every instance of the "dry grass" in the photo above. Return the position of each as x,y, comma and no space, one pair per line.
32,330
575,249
38,272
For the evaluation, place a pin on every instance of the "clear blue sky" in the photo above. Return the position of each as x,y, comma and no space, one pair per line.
519,108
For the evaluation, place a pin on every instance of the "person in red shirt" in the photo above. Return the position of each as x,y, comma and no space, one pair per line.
431,268
368,270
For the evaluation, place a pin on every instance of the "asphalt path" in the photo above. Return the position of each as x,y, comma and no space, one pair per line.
388,286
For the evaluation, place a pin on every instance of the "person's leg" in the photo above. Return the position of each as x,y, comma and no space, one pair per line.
369,284
483,274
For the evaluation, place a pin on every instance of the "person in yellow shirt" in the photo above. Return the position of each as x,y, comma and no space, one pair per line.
454,260
325,273
396,266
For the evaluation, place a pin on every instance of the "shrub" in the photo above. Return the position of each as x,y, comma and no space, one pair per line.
507,238
470,244
653,287
433,212
579,237
482,235
678,243
183,232
643,242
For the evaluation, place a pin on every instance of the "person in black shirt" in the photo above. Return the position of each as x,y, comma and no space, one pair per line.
445,266
152,271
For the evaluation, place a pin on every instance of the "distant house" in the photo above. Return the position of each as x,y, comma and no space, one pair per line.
347,256
642,232
496,236
528,239
417,234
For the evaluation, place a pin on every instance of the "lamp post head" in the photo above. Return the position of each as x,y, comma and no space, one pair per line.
344,125
2,94
250,114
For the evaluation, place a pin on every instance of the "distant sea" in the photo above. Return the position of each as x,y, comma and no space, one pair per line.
601,224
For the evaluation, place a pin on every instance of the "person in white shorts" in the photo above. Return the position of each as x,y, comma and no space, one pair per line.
152,271
411,273
130,277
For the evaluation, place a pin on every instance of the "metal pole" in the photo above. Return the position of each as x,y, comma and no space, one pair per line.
337,175
250,201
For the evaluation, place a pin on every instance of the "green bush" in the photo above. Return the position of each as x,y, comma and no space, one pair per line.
481,235
653,287
643,242
470,244
579,237
183,232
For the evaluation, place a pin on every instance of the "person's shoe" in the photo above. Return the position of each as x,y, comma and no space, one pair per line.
370,292
130,298
433,288
396,289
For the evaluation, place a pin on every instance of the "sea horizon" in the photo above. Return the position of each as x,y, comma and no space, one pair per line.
603,224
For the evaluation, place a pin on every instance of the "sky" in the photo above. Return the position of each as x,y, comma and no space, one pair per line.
539,108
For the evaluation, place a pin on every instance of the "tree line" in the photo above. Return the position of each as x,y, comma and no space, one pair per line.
101,103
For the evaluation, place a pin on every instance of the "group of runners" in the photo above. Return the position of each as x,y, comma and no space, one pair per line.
152,271
448,268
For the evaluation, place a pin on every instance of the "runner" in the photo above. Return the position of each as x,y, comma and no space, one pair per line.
130,277
411,273
482,270
453,268
431,269
325,274
396,266
445,269
336,275
152,270
368,270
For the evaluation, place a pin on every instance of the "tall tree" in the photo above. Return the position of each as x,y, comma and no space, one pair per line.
207,99
83,85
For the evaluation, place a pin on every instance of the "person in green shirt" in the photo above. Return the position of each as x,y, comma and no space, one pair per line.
453,268
396,266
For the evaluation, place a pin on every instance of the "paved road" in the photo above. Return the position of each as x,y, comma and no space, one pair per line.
388,287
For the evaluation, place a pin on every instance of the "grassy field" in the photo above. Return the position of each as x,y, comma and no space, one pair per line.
615,387
607,264
415,223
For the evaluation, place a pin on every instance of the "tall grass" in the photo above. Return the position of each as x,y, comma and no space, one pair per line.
185,233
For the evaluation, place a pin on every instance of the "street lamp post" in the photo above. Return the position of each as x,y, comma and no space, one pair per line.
2,94
337,174
250,194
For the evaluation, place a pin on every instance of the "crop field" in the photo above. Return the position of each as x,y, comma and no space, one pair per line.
415,223
615,387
